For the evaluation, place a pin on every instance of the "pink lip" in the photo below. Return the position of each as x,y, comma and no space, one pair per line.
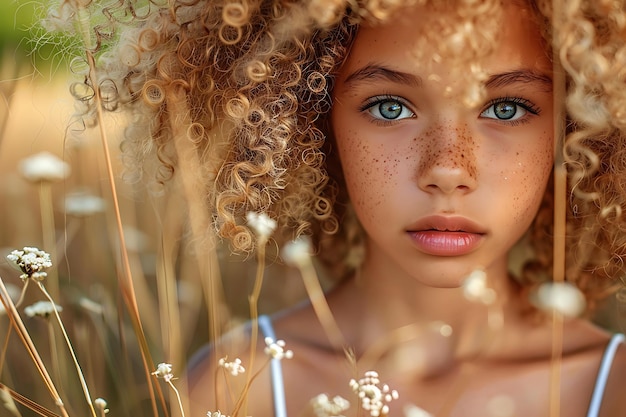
446,236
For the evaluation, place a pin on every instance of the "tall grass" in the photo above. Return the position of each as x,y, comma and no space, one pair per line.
163,263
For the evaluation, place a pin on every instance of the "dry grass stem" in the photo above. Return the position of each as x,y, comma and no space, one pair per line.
320,304
203,239
126,282
39,409
241,400
79,371
18,324
9,76
560,216
180,402
385,344
49,232
253,301
169,312
199,220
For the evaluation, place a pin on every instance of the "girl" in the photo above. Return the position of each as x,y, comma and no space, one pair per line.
413,141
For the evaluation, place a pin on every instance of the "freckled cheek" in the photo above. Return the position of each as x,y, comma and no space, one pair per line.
367,171
528,180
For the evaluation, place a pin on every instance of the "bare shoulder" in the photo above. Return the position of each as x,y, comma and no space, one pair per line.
214,387
614,400
599,352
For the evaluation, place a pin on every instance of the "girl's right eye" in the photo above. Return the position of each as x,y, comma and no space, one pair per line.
387,109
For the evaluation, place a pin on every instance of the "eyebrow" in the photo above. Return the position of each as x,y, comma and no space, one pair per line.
377,72
525,76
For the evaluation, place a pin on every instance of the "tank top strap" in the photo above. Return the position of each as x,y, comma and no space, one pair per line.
603,374
276,371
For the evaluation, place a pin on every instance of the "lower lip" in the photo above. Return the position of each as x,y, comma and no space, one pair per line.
442,243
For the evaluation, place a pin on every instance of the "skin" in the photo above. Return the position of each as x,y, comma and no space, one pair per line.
437,158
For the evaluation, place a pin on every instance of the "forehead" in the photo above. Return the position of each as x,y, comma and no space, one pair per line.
443,31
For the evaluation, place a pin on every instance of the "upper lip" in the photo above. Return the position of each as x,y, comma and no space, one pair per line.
447,224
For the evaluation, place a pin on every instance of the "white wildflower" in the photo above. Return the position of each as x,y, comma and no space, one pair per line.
277,349
42,309
91,305
215,414
101,404
44,166
374,398
297,252
32,262
561,297
326,407
164,370
475,288
135,239
81,203
262,225
411,410
235,368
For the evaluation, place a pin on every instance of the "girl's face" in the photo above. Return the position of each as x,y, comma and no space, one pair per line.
440,188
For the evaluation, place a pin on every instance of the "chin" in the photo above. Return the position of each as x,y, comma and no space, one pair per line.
444,277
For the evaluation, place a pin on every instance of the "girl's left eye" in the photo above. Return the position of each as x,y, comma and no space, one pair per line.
387,109
508,110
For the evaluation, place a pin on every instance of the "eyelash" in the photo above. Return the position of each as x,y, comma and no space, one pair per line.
522,102
373,101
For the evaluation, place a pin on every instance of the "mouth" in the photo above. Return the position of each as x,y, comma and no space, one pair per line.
446,236
447,224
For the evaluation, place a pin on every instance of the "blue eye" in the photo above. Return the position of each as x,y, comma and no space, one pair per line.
509,109
388,108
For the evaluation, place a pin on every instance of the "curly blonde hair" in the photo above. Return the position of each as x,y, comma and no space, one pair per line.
256,76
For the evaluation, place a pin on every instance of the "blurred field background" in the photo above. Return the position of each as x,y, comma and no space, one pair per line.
35,116
170,280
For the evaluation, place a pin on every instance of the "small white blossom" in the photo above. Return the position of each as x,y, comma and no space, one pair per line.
101,404
374,398
42,309
164,370
91,305
262,225
561,297
81,203
44,166
475,288
277,349
235,368
135,239
325,407
297,252
215,414
32,262
411,410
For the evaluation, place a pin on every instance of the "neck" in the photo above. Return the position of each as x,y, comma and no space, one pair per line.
396,312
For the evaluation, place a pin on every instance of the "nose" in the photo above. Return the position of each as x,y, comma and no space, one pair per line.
447,160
